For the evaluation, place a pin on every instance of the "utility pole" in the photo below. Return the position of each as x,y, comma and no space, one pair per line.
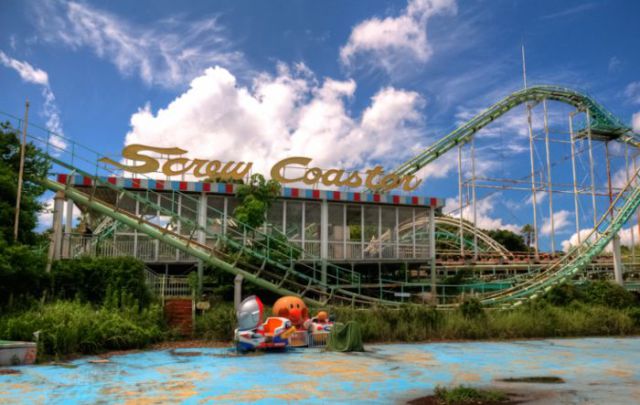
23,146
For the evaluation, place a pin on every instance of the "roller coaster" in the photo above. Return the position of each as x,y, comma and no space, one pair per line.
265,258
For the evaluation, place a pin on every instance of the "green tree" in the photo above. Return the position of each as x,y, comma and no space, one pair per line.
255,200
527,231
510,240
36,167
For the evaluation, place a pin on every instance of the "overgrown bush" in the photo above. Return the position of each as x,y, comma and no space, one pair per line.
68,327
471,308
608,294
563,294
22,274
217,323
92,279
535,320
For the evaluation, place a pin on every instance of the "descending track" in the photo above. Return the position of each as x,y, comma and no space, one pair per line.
265,259
602,122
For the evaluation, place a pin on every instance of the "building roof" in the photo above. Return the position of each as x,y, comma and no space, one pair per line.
230,189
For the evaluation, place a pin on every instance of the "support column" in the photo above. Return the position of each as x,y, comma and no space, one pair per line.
460,199
575,182
533,184
432,255
237,291
56,236
549,179
631,230
617,256
202,237
68,224
591,171
473,198
324,239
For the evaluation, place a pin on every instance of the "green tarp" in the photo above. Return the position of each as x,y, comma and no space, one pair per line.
346,337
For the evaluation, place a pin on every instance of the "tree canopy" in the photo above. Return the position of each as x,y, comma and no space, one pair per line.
36,166
255,200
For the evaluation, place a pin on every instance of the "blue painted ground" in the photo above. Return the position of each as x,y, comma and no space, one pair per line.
596,370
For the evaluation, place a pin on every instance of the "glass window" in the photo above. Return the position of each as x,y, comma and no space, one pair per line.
370,222
311,221
405,225
336,222
388,230
215,213
275,215
294,220
354,223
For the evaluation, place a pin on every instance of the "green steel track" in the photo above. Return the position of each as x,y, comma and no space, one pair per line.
602,121
269,262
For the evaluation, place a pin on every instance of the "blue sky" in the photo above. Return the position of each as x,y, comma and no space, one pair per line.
351,84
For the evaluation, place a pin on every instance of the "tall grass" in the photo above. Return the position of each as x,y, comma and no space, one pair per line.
413,324
73,327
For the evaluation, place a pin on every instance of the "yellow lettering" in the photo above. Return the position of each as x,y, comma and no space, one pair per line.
312,175
371,175
336,180
407,183
276,170
134,152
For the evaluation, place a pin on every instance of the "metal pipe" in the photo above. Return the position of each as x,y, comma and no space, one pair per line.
533,184
473,197
23,147
617,256
573,170
591,170
460,198
626,172
549,182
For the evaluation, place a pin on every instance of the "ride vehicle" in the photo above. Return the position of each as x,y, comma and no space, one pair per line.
253,334
309,331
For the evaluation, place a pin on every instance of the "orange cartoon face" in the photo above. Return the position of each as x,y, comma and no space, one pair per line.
292,308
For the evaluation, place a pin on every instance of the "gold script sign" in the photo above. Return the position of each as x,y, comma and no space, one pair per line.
374,179
341,178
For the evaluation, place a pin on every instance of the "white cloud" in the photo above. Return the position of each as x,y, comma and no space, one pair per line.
393,40
289,114
636,122
27,72
573,240
560,222
30,74
625,235
169,54
485,208
632,91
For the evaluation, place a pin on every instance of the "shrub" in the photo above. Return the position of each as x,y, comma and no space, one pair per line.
217,323
608,294
467,395
471,308
22,274
563,294
93,278
68,327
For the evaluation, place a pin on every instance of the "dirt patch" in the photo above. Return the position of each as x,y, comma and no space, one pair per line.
9,371
185,354
534,379
190,344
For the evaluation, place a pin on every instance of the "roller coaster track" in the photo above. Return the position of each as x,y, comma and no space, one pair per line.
268,261
601,120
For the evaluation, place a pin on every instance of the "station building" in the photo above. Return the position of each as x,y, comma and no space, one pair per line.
358,229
